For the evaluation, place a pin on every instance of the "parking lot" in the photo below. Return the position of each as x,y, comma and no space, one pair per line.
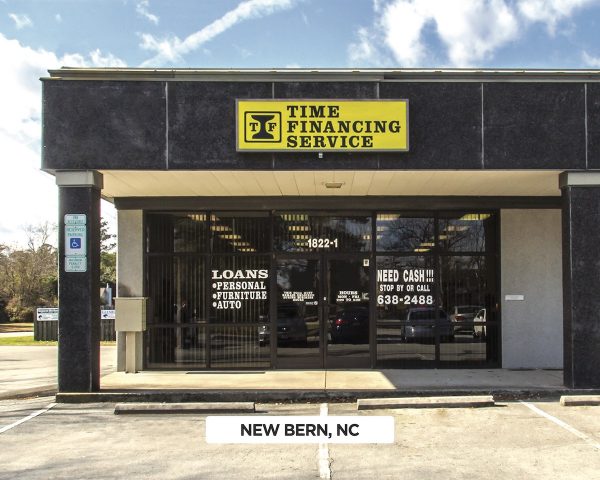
530,440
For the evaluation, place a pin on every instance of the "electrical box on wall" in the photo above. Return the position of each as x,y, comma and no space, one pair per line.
130,314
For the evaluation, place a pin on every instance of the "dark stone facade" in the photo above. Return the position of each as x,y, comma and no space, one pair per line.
79,307
581,284
158,125
453,125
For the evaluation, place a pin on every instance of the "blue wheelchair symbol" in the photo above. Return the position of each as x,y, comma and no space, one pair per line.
75,242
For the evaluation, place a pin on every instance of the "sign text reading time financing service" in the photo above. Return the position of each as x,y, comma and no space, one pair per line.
322,125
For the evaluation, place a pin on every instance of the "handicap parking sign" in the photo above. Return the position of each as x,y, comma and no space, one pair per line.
75,240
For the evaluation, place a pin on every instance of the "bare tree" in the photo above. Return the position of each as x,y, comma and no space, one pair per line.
28,276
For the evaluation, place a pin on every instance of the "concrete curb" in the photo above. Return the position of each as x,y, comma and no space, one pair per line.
579,400
41,391
191,407
305,396
426,402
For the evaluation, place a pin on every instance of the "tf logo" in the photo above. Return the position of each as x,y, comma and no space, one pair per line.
262,127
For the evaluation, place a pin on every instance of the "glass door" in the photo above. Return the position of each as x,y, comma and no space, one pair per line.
322,313
346,312
298,323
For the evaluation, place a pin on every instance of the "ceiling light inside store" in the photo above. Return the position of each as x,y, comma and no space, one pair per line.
421,250
298,228
231,236
387,217
294,218
220,228
475,216
456,228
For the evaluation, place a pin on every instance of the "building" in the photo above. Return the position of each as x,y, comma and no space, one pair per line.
331,218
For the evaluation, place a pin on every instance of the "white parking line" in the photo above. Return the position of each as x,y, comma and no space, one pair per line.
28,417
589,440
323,454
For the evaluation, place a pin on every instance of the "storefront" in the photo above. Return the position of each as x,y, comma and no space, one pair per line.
347,289
331,220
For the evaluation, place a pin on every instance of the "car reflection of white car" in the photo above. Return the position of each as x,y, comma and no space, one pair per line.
479,325
462,317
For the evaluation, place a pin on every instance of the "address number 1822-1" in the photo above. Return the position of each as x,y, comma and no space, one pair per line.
322,243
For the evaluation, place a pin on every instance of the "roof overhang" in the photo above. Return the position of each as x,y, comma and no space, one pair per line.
327,74
216,183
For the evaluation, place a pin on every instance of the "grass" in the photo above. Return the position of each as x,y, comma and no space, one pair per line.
16,327
28,341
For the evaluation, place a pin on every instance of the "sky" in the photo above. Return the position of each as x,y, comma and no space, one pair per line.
37,35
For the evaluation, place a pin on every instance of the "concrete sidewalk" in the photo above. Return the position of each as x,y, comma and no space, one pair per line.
289,385
358,380
16,334
32,370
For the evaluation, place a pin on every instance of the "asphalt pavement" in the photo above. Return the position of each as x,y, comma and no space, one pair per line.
529,440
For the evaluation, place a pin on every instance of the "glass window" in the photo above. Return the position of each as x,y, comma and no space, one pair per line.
239,289
176,289
176,332
406,313
301,232
467,232
467,289
464,284
179,233
237,347
403,233
247,233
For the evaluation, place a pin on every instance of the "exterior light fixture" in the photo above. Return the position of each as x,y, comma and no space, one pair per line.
333,184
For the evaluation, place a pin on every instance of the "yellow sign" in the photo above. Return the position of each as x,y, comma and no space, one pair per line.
322,125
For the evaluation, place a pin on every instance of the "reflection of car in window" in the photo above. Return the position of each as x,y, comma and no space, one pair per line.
350,325
291,326
479,327
462,316
421,324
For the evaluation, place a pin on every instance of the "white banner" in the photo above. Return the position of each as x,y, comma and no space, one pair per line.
299,429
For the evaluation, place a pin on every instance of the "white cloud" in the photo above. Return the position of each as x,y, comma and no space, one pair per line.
93,59
142,8
590,60
171,49
551,12
471,31
21,20
366,49
30,193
